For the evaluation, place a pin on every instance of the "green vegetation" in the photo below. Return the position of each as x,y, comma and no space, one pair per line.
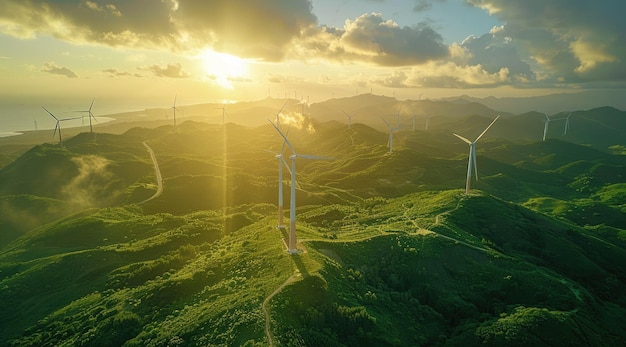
393,252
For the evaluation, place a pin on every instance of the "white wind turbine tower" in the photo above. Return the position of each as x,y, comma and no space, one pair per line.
471,164
292,247
546,123
428,117
414,118
281,162
349,116
174,108
57,127
567,124
224,113
390,140
91,116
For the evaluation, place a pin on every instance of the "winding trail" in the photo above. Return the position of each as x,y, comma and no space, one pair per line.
266,312
157,172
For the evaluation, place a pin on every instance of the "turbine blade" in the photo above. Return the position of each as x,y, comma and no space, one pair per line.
286,165
281,109
50,113
72,118
387,124
282,148
489,126
90,106
462,138
284,137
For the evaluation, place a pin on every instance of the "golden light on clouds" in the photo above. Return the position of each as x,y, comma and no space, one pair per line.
223,68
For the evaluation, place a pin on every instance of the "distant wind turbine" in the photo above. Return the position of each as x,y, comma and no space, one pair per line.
546,123
567,124
398,117
90,115
174,108
224,113
57,127
414,118
390,140
471,164
292,247
428,117
349,119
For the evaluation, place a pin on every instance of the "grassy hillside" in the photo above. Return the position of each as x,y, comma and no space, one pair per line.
393,252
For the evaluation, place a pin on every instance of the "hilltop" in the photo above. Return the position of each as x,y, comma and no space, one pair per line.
393,251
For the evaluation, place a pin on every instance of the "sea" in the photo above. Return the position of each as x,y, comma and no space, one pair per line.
15,119
19,117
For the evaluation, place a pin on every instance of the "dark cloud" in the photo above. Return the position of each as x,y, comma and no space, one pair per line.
170,70
55,69
493,52
573,40
370,38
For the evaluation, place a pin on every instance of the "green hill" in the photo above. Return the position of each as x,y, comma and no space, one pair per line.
393,252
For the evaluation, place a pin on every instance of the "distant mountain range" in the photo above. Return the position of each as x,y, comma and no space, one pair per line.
552,103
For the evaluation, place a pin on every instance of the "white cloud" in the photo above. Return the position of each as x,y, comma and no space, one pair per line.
55,69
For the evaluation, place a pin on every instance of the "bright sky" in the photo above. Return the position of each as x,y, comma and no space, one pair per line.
203,51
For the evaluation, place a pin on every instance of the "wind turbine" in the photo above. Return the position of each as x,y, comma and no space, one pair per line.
471,164
398,117
428,117
224,113
58,125
174,108
391,130
546,123
90,115
567,124
292,247
414,116
349,119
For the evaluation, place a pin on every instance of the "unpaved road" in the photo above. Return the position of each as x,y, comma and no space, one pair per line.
157,172
266,312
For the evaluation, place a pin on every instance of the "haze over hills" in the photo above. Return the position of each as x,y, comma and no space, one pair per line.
393,251
551,103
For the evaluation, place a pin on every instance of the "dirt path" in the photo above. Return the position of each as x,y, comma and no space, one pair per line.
157,172
266,312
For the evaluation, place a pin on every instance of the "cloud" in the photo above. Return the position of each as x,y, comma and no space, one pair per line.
55,69
572,41
424,5
370,38
170,70
260,29
118,73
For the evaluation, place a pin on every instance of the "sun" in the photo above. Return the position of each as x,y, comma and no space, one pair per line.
223,68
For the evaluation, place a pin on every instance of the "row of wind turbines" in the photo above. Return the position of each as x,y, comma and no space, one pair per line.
547,123
57,127
292,243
